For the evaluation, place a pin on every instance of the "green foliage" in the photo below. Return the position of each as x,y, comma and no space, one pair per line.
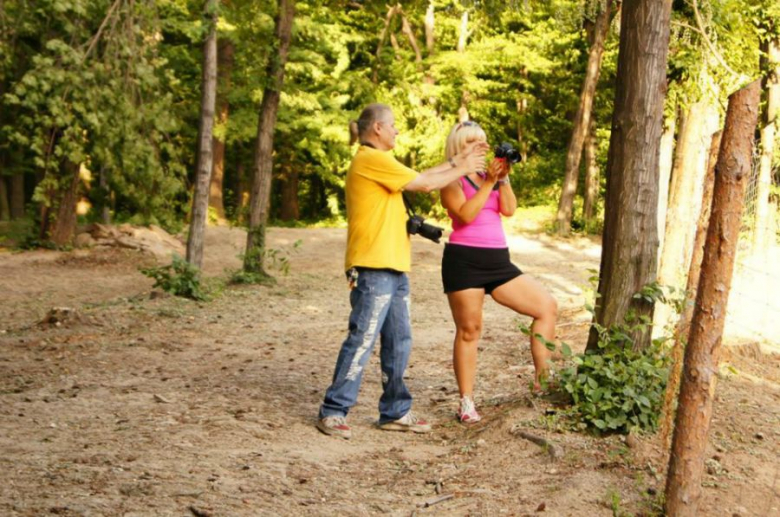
179,278
277,259
617,388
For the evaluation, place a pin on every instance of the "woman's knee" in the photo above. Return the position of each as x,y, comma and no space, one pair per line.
550,308
470,331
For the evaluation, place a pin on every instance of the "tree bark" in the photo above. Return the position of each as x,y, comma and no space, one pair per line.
591,175
225,53
17,196
763,231
205,157
290,207
63,227
630,240
683,483
5,208
685,195
260,198
664,176
406,28
429,25
464,32
382,35
582,120
684,323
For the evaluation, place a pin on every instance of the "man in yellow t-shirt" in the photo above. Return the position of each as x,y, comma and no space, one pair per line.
378,259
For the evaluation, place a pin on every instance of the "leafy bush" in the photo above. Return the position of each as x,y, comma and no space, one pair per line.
617,388
179,278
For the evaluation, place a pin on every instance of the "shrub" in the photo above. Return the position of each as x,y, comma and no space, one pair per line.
179,278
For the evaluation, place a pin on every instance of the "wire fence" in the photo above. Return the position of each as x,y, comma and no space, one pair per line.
754,303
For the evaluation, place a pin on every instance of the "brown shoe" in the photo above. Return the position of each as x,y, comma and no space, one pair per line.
335,426
407,423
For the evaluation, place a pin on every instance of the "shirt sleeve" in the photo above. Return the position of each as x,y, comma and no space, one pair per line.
389,172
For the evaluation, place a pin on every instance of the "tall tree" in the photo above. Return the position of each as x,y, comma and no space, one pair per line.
630,240
582,119
697,391
205,156
685,197
260,198
591,175
225,59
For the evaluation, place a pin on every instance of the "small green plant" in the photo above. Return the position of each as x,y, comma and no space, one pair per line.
270,258
616,388
179,278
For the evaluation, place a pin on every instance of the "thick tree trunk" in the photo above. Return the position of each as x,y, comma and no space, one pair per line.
290,207
5,208
591,175
630,240
684,323
16,196
582,121
204,161
260,198
664,176
225,53
63,227
763,235
685,195
683,482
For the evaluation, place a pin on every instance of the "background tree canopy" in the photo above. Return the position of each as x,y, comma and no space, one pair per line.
112,87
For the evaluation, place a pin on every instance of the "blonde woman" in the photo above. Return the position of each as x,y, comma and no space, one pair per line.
476,262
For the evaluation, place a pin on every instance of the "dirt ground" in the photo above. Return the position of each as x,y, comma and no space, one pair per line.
147,406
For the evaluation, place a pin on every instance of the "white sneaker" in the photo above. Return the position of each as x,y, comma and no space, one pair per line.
408,422
467,413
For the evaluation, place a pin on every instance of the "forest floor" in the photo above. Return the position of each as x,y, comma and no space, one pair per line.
155,405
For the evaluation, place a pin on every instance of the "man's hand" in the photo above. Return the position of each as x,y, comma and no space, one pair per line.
472,156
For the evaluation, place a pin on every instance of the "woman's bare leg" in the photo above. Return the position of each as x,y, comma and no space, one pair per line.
527,296
466,306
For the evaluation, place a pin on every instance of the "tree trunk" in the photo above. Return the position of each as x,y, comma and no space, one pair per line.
5,209
407,30
630,240
591,174
683,482
463,33
382,35
204,161
684,323
63,227
260,198
290,207
225,53
105,209
685,195
244,187
429,25
664,176
763,233
17,196
582,121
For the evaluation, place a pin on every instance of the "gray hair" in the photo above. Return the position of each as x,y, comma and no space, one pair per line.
370,114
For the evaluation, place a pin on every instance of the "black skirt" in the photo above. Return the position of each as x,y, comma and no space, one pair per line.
468,267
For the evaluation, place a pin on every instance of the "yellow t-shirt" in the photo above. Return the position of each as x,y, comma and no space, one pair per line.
376,235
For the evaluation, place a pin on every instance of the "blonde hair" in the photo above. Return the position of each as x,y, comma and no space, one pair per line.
461,134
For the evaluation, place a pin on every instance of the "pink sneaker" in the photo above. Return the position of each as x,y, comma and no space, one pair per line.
467,413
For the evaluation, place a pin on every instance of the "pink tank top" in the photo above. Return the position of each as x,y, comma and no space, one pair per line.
485,231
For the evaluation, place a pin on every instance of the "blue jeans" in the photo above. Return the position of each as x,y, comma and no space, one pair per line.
380,308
